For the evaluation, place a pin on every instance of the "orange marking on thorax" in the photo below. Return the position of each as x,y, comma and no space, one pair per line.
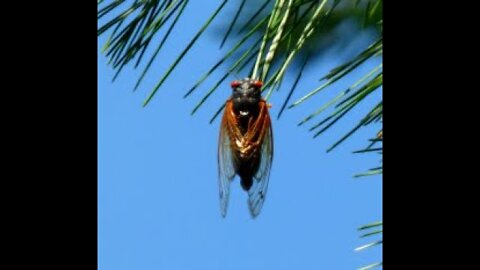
246,144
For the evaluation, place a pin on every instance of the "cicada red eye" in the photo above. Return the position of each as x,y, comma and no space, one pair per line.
258,84
235,84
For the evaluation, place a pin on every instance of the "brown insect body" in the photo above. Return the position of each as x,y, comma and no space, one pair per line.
246,144
246,134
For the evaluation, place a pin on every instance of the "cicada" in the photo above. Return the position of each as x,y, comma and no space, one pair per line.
245,146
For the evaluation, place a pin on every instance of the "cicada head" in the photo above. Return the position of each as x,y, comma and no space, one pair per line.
246,96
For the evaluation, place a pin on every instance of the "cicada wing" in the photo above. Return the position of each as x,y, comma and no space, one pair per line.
226,171
258,191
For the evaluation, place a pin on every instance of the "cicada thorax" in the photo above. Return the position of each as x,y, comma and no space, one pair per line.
246,99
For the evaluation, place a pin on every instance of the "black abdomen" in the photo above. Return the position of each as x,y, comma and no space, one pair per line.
246,169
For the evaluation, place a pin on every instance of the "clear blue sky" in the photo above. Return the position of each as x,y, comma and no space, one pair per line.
158,202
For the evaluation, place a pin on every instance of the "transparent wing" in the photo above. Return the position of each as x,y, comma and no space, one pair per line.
258,191
226,171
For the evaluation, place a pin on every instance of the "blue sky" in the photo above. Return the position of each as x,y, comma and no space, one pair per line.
158,202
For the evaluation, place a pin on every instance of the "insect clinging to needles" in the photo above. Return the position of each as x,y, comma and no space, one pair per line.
245,146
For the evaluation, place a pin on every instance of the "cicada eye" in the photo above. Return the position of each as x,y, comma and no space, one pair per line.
258,84
235,84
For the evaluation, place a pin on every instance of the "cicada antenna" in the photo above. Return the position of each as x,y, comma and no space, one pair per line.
235,75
